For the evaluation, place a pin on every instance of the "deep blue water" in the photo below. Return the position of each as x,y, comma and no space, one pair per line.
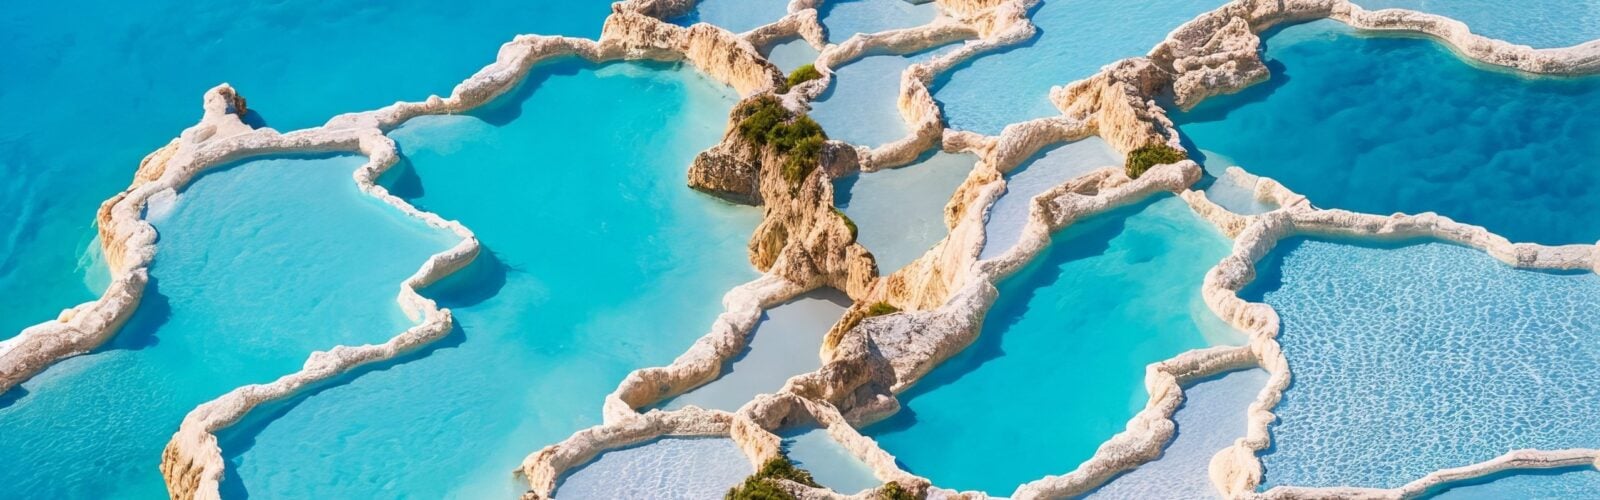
1383,125
1413,358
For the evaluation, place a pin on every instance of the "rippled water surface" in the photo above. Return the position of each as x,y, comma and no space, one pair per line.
1211,418
1554,484
1381,125
1540,23
1060,364
1408,359
671,468
597,261
129,78
260,264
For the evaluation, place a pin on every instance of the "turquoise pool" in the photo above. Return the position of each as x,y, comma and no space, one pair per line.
1381,125
1113,294
1540,23
130,78
899,212
1047,169
737,16
1417,357
260,264
1211,418
786,342
1075,38
844,18
597,261
668,468
828,462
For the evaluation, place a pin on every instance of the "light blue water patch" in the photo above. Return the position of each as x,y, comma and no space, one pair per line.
1383,125
828,462
847,17
786,342
1060,364
1213,415
1540,23
1553,484
1237,195
1409,359
260,264
1075,39
1048,169
790,55
130,78
737,16
597,261
899,213
668,468
861,105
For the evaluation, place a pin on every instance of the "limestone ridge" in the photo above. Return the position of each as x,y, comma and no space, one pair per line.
802,244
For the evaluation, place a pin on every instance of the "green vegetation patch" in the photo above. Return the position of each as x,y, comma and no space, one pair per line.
798,138
803,74
1140,160
762,485
893,491
880,309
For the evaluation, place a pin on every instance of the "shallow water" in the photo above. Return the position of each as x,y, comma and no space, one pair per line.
899,213
1047,169
1115,293
260,264
1540,23
737,16
844,18
669,468
787,342
1211,418
1555,484
130,79
860,107
1380,125
828,462
1408,359
788,56
1075,38
597,261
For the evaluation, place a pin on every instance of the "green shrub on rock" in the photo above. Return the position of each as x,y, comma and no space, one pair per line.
803,74
761,485
880,309
1140,160
765,122
893,491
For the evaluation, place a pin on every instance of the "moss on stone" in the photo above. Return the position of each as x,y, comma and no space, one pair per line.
763,486
802,74
1140,160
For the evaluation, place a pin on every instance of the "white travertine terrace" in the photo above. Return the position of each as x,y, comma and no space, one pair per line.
944,294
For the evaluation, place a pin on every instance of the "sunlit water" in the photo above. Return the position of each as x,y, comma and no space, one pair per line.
786,342
1211,418
260,264
1540,23
1409,359
737,16
597,261
669,468
844,18
899,213
129,78
828,462
1060,365
1075,38
1047,169
1553,484
1381,125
